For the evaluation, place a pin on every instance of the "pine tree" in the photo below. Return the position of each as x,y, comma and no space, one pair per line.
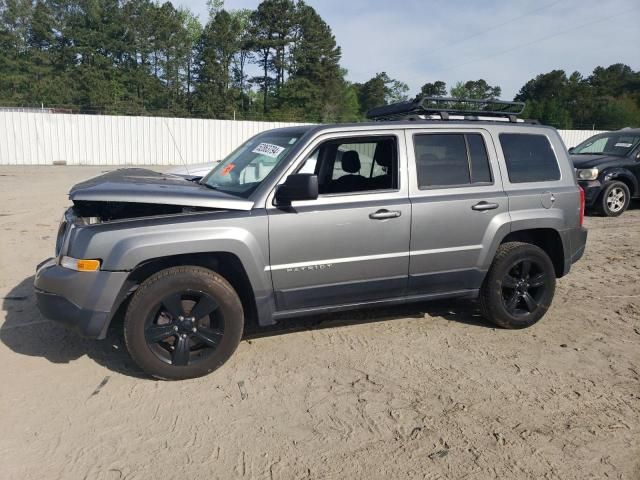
271,26
15,18
316,87
218,45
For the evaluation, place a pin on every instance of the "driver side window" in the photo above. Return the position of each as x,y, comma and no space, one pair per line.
353,165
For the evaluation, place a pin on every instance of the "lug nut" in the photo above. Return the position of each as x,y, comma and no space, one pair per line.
175,328
181,318
184,335
194,329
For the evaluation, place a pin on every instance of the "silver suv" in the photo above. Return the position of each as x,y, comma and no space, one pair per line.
428,202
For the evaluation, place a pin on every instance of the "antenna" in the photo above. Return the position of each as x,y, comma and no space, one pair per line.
175,144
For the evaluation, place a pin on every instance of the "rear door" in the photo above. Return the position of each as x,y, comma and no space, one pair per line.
458,202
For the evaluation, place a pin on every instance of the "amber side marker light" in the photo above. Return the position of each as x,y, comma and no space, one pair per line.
80,265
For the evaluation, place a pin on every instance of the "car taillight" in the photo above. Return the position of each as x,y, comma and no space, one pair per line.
581,205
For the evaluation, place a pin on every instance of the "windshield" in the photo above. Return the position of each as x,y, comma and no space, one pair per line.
618,143
244,169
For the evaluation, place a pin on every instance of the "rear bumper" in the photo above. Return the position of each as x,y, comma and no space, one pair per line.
578,239
81,301
574,242
592,189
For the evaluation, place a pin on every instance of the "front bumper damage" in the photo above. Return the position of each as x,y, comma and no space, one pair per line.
81,301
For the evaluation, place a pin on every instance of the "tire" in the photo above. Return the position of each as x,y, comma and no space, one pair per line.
615,199
514,295
183,322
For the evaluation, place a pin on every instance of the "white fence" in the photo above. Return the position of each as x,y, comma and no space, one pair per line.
45,138
573,137
29,138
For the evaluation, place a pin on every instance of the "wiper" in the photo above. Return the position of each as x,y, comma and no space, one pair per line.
199,182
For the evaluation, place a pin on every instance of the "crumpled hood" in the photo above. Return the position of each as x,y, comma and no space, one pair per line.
139,185
591,161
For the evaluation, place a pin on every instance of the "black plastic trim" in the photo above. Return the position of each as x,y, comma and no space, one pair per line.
88,323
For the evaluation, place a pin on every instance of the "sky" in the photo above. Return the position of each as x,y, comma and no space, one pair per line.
505,42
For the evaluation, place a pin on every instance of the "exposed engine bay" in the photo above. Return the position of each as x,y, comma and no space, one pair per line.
97,212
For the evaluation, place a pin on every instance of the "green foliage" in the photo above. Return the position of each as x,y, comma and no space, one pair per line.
435,89
216,49
381,90
608,99
475,89
145,57
316,89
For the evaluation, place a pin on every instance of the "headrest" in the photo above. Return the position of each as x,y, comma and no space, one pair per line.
384,154
351,161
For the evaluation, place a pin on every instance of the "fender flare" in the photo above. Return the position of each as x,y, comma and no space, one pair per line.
621,173
534,219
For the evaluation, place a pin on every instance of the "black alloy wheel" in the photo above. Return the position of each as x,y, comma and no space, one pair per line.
185,328
523,287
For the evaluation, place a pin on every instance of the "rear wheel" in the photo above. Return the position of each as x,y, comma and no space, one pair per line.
183,322
615,199
519,286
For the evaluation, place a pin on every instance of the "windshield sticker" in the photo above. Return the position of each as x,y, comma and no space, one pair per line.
269,150
227,170
623,145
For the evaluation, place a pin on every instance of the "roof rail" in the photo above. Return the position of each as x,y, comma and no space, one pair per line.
426,107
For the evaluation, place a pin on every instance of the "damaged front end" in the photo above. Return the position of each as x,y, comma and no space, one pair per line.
138,193
92,212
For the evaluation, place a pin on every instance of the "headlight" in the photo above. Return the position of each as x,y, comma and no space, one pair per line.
587,174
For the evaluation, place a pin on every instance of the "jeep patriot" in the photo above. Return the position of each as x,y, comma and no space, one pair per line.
432,200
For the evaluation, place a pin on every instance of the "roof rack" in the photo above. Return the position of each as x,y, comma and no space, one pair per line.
428,108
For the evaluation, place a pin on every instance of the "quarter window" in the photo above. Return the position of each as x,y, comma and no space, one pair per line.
451,159
480,171
529,158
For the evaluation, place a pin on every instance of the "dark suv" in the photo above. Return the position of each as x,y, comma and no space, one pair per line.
608,169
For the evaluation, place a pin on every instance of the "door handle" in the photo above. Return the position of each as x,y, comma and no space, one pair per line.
483,206
384,214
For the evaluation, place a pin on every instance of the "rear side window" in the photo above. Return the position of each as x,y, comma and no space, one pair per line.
529,158
451,159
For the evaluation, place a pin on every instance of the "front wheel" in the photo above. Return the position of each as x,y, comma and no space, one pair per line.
519,286
615,199
183,322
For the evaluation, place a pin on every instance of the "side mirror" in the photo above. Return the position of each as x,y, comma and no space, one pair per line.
299,186
572,149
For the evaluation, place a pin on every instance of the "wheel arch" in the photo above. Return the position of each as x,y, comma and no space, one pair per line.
625,176
226,264
548,239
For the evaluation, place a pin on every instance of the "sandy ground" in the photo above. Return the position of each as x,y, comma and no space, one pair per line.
426,391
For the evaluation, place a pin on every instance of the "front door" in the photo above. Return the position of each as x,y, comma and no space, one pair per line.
350,245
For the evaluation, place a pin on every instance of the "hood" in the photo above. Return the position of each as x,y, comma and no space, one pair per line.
139,185
591,161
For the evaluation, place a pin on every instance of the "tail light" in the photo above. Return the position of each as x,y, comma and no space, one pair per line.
581,205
